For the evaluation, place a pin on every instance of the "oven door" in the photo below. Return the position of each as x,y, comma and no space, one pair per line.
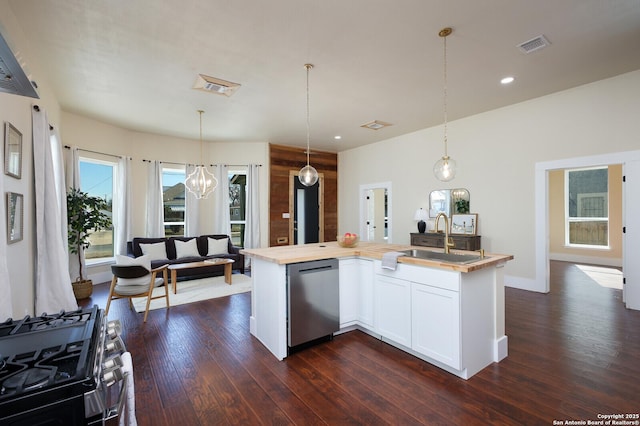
113,402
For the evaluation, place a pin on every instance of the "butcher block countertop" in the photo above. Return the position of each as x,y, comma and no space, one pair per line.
307,252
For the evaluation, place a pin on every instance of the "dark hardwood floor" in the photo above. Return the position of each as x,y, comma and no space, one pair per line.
573,354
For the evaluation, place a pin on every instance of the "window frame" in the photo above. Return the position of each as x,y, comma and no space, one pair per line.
102,160
230,174
568,220
176,171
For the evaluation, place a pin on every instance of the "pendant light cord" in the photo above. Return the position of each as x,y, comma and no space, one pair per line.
200,112
445,94
308,67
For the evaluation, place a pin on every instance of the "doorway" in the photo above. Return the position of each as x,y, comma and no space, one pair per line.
306,221
631,204
375,212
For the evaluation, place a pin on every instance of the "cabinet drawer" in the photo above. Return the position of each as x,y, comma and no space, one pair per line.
448,280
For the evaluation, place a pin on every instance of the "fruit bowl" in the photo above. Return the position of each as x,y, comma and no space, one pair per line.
348,240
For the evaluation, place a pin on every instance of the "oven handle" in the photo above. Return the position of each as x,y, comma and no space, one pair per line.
112,414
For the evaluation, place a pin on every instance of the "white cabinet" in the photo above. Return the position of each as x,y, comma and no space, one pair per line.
356,292
365,293
393,309
435,323
349,290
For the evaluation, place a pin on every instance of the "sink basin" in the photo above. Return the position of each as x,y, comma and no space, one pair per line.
440,256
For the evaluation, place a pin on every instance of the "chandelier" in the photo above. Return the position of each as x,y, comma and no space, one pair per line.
308,175
201,182
445,168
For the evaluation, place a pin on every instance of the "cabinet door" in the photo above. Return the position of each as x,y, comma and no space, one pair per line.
435,323
349,298
393,309
365,296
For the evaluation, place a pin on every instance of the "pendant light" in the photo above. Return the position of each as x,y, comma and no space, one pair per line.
201,182
308,175
445,168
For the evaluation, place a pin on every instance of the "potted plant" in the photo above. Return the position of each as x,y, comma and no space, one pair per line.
85,213
462,206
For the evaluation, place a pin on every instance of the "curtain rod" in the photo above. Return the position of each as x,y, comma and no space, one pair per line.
165,162
210,165
234,165
96,152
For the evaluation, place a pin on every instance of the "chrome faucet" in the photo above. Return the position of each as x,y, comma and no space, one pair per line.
448,243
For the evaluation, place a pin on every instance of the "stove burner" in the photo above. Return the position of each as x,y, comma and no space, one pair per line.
57,322
26,380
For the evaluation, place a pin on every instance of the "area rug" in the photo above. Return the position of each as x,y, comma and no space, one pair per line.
195,290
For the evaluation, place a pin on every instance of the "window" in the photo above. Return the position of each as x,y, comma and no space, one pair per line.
587,206
237,206
96,179
173,196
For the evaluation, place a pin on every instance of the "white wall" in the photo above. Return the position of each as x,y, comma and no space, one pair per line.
90,134
497,152
17,110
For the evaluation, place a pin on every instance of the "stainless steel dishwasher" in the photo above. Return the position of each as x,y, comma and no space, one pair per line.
313,301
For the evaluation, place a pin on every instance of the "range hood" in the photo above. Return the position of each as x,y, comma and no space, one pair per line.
12,77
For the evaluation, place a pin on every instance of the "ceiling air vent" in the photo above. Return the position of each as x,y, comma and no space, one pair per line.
534,44
215,85
375,125
12,78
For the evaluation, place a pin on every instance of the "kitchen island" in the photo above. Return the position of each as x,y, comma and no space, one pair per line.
448,314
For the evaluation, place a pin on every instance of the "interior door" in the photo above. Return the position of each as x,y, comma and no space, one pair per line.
306,211
631,236
306,215
376,199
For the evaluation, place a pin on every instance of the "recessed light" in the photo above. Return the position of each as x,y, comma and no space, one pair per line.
507,80
337,137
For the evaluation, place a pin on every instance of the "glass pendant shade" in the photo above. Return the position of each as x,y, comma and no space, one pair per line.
445,169
201,182
308,175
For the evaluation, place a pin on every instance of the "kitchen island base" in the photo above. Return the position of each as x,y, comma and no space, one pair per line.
448,316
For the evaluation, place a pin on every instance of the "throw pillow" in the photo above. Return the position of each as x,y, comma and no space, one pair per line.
144,261
155,251
220,246
186,248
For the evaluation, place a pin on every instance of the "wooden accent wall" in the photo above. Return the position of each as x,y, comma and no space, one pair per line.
282,160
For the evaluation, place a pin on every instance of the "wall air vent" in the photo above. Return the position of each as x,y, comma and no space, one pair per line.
12,77
215,85
534,44
375,125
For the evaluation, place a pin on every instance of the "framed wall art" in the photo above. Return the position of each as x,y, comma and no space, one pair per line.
466,224
12,151
15,217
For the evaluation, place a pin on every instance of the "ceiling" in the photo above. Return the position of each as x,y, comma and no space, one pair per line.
134,63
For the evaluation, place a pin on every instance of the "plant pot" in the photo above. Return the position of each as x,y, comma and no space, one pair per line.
82,288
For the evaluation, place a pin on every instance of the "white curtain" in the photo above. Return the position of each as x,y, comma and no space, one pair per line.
122,207
221,215
53,283
252,214
191,204
155,210
6,304
61,190
72,178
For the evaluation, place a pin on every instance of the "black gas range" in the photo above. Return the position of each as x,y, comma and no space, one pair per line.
62,369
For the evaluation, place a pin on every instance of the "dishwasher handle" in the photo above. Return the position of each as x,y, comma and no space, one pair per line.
317,269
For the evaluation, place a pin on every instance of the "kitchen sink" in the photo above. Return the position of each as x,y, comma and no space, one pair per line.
441,256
